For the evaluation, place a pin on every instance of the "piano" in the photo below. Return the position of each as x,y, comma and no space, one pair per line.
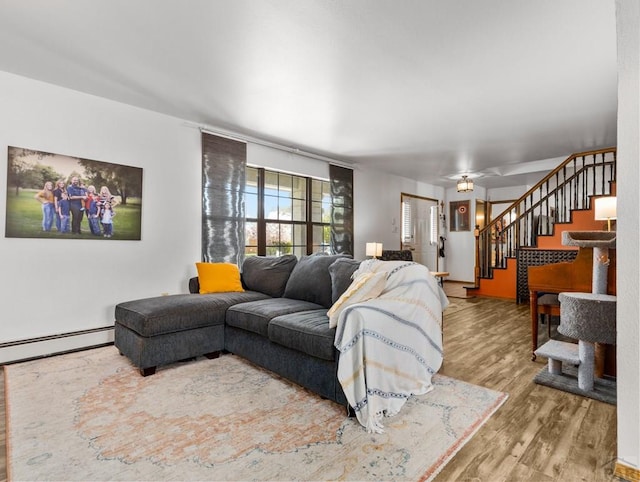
567,276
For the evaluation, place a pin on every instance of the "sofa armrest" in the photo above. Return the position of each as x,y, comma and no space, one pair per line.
194,285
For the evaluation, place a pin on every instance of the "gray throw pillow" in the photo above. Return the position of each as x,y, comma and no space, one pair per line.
268,274
310,279
340,271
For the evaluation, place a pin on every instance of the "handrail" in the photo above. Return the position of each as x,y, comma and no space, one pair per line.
567,187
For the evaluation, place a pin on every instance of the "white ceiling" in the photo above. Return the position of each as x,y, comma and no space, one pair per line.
426,89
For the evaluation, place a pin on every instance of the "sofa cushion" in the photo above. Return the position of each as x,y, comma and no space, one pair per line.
194,285
306,331
218,277
310,279
340,271
268,274
168,314
256,315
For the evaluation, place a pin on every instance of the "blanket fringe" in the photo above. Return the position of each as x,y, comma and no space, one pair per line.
374,423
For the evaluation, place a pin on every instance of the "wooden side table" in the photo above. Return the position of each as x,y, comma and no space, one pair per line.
440,275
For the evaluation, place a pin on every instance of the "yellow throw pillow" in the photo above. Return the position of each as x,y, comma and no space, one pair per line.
366,286
218,277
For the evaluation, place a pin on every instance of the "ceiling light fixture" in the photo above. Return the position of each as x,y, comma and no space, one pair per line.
465,184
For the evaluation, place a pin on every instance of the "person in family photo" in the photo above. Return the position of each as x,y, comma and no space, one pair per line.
92,208
57,196
106,218
47,199
104,197
64,211
77,195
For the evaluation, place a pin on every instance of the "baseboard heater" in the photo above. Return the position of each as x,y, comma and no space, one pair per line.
45,346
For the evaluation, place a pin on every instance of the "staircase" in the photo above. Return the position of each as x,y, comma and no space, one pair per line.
559,202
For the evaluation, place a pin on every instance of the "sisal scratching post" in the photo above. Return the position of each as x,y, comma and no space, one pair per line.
599,285
555,366
585,369
601,263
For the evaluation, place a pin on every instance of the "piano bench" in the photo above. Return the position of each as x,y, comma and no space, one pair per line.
549,305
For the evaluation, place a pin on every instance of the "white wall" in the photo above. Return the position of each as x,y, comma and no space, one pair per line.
460,246
507,193
377,204
58,286
377,207
50,287
280,160
628,226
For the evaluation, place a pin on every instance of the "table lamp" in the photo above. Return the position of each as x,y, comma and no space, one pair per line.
605,209
374,249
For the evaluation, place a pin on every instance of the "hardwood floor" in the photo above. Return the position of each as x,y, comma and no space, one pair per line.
539,434
456,289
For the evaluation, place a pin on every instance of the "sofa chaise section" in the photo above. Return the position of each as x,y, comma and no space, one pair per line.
165,329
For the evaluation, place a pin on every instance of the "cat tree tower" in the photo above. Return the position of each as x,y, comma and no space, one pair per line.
588,317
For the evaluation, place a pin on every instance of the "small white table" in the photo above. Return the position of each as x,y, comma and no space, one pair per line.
440,275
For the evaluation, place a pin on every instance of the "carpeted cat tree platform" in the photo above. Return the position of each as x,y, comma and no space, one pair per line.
589,318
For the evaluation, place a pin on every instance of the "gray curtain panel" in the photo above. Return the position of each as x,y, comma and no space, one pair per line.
223,180
341,180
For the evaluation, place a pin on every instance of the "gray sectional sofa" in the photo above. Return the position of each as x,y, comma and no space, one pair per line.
279,322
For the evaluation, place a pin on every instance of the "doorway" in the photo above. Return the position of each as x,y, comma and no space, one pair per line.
420,231
481,214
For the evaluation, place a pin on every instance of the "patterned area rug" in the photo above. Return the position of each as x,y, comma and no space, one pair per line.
91,416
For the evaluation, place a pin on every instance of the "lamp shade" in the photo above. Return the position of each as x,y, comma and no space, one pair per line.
374,249
465,184
606,208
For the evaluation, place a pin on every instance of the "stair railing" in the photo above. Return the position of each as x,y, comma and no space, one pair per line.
551,201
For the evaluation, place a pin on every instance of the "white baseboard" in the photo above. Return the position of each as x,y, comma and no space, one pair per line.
51,345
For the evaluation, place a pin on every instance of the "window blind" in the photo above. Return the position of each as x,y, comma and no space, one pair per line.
223,215
341,181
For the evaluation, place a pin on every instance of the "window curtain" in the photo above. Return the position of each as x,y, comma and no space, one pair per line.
341,180
223,180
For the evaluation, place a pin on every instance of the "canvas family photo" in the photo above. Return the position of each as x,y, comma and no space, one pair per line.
64,197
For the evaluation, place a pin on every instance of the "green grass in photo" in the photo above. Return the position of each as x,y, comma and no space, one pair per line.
24,220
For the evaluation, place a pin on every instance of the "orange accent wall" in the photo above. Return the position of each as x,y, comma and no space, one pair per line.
502,285
580,221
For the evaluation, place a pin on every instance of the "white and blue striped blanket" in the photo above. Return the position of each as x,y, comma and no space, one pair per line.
391,346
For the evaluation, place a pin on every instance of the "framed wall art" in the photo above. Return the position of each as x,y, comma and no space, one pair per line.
55,196
459,219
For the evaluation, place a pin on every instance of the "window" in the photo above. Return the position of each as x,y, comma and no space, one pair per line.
286,214
433,214
407,221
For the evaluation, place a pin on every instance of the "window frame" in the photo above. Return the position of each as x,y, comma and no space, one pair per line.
262,221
